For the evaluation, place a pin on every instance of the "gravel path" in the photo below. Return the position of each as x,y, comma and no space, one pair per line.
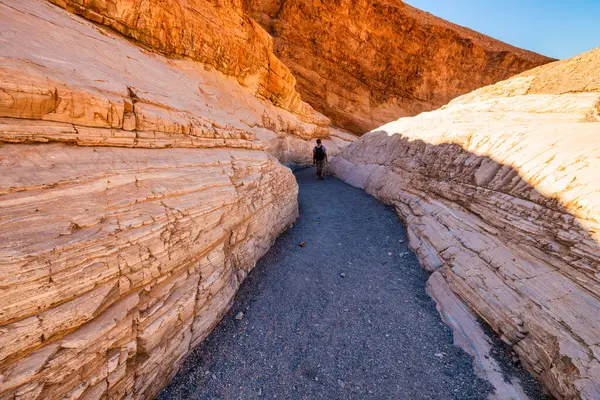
346,316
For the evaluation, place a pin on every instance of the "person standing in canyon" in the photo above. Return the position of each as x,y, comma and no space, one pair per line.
319,158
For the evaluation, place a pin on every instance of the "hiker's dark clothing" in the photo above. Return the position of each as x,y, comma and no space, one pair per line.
319,156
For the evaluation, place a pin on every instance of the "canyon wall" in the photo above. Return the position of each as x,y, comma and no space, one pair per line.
136,192
240,81
216,33
365,63
501,196
116,262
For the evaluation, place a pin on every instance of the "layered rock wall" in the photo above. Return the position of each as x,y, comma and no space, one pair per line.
136,192
500,193
364,63
116,262
87,86
216,33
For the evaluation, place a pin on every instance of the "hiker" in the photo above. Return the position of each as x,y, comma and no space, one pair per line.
319,158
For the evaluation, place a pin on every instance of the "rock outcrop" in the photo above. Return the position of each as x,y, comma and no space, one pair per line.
500,193
365,63
136,192
116,262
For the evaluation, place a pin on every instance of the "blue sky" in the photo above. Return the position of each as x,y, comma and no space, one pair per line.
555,28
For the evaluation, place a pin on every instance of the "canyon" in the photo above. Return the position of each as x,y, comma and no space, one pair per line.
141,152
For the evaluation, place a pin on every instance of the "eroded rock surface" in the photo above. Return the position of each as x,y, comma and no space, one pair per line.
215,33
365,63
138,186
115,262
500,193
71,81
136,192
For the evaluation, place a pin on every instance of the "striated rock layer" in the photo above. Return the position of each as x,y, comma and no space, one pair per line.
364,63
501,196
116,262
215,33
73,82
136,192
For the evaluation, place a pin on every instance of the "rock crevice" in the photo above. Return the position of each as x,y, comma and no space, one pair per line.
140,180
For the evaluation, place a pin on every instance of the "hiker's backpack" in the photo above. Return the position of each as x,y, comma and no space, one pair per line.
319,153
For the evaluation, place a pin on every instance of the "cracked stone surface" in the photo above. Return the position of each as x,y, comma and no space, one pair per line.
114,270
500,192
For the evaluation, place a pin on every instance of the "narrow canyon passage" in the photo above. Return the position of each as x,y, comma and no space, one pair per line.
346,316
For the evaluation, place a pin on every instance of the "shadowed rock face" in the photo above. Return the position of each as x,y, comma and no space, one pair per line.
499,190
364,63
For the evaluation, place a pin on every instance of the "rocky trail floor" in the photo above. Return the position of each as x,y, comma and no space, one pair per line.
346,316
